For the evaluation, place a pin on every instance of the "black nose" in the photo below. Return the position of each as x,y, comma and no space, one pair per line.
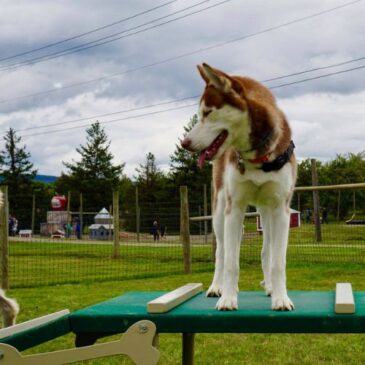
185,143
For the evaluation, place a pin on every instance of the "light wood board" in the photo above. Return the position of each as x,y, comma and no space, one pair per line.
345,302
174,298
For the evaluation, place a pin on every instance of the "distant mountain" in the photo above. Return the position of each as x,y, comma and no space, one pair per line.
46,178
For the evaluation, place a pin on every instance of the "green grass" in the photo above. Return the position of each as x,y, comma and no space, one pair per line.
35,263
211,349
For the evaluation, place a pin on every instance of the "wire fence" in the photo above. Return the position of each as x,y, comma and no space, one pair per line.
43,250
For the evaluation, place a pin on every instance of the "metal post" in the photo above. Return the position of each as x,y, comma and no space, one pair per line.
184,228
116,246
316,207
4,230
188,348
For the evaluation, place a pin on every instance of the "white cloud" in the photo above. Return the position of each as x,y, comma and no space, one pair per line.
327,115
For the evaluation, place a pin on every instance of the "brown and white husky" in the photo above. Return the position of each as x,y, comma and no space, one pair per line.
246,135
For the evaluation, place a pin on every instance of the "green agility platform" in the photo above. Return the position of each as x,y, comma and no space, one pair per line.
314,313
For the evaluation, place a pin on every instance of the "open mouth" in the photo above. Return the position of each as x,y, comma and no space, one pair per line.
208,153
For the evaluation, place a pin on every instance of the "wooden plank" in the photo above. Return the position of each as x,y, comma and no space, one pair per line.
174,298
9,331
330,187
345,302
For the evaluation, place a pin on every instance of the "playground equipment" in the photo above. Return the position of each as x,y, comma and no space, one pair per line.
188,312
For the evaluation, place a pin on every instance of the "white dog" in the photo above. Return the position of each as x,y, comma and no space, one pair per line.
248,138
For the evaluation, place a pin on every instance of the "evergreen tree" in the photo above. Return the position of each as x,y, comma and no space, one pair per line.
148,173
150,180
17,172
94,174
16,167
185,171
154,195
96,160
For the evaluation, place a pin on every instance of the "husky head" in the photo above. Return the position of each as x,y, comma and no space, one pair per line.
223,117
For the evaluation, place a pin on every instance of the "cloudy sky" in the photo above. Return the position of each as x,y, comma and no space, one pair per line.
56,77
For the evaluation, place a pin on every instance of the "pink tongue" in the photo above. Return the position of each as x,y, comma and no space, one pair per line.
202,158
211,151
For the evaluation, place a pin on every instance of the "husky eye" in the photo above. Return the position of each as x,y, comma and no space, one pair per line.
206,113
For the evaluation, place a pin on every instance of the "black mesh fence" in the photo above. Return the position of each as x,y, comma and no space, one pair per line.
78,245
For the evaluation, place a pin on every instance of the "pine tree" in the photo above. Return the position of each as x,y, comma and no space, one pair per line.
148,173
96,160
153,194
94,174
185,171
16,167
17,172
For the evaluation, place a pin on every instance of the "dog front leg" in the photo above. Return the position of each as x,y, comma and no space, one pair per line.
280,229
215,289
232,241
266,246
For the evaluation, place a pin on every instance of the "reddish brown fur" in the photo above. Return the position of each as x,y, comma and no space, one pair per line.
266,119
218,172
249,94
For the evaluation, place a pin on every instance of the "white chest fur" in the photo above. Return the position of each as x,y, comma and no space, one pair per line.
259,188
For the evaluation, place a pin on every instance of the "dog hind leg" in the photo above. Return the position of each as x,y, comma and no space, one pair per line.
280,218
266,246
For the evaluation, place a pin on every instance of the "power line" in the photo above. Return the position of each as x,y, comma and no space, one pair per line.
174,58
112,121
89,32
190,105
189,97
315,69
92,44
316,77
108,114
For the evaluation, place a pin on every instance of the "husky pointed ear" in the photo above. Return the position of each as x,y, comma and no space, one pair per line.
219,79
216,78
202,73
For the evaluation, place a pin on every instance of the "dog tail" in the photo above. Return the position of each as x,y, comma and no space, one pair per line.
9,308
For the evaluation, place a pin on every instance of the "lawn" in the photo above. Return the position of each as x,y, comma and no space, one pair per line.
40,262
213,348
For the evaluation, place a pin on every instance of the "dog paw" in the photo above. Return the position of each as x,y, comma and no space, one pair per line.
282,303
268,288
227,303
214,291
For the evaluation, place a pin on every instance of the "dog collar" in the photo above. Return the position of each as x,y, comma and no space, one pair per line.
261,159
266,165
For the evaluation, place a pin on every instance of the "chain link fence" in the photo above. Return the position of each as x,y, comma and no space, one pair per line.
80,244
